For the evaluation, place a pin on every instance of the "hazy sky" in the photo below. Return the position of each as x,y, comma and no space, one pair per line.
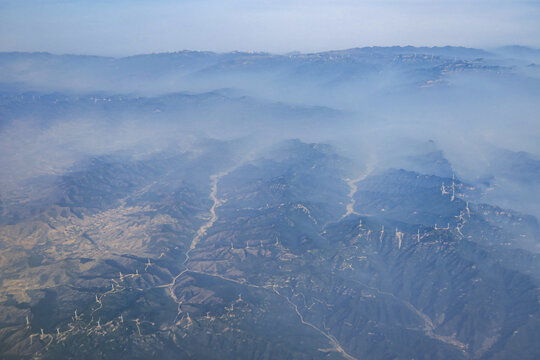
122,27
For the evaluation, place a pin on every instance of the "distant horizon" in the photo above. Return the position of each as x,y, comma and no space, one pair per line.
288,53
119,28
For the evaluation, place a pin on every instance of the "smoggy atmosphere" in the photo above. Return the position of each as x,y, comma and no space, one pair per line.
121,27
269,180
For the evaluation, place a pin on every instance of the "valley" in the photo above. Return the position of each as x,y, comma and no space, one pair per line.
338,205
